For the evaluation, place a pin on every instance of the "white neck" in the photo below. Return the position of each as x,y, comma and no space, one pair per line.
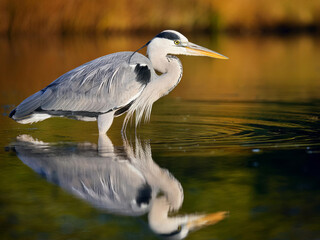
171,69
170,66
158,218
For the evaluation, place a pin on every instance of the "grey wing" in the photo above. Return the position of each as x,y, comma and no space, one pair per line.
102,85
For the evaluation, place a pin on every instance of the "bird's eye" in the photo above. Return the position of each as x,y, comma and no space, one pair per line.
176,42
179,228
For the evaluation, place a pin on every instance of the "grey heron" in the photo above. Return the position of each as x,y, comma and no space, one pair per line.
107,87
123,181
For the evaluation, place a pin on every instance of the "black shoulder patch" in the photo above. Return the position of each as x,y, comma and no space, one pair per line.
143,74
144,195
168,35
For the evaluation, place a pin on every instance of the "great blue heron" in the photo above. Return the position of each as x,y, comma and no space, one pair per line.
123,181
114,84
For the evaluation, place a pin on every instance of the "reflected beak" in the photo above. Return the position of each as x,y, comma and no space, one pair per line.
196,50
206,220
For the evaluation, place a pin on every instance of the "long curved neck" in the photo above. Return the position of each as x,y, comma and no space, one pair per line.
171,69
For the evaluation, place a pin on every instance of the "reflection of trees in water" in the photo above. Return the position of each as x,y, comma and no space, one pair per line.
123,181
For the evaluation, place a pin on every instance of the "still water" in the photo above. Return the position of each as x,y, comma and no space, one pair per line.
240,136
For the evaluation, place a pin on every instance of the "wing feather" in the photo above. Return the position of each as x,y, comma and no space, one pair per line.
104,84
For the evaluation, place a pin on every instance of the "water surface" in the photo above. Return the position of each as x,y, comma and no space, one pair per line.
240,135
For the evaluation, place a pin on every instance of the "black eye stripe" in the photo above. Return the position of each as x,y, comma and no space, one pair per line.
168,35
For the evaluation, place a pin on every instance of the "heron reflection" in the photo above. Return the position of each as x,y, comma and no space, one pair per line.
121,180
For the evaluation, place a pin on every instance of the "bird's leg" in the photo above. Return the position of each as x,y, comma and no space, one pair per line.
104,122
105,146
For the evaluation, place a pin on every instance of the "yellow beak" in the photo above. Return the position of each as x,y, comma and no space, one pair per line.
206,220
196,50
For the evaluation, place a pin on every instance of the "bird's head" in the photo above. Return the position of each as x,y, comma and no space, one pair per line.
173,42
178,227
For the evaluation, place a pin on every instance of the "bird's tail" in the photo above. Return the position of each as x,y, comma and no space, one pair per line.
25,110
11,114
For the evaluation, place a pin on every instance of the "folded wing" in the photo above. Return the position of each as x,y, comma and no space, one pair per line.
105,84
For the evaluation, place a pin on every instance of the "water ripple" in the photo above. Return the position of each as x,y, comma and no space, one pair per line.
207,125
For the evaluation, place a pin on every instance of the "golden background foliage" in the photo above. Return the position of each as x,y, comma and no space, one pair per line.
96,16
